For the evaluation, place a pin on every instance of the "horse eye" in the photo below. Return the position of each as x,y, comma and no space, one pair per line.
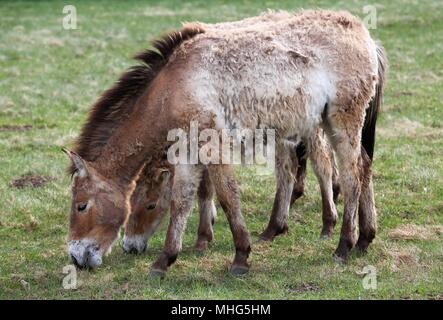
82,206
151,206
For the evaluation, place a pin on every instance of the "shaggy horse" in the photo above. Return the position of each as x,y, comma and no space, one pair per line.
146,215
314,69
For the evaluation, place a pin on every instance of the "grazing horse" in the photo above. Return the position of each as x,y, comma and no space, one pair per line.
146,216
315,69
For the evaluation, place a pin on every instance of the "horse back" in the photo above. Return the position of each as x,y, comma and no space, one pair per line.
262,74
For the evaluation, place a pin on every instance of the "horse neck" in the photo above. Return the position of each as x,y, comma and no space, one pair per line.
141,136
133,142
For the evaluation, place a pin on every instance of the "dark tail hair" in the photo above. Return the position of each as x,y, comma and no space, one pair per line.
368,133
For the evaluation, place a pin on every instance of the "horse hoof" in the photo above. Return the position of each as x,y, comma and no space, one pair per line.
265,237
201,247
155,273
325,235
362,245
271,232
361,248
339,259
239,270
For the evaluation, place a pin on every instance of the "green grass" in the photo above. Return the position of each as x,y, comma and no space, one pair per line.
49,77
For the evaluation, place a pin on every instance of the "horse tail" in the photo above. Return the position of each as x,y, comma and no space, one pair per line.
368,132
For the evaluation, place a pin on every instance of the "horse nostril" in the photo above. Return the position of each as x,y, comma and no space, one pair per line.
74,260
76,263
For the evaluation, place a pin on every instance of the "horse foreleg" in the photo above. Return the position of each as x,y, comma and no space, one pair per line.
367,216
183,192
344,134
228,194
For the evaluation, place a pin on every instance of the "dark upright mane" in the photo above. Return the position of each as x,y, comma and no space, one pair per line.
116,103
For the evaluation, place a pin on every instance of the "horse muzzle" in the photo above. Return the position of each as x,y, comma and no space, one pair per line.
136,244
85,254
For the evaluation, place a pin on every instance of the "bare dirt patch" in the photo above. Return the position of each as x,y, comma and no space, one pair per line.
34,181
304,288
15,128
416,232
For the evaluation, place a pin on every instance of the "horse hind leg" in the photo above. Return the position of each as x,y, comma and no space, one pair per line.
183,192
207,212
319,154
344,130
367,216
228,195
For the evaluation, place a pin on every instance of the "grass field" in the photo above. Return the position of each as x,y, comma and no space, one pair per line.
49,77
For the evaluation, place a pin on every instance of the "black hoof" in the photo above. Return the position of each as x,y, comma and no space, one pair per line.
363,244
239,270
155,273
264,238
270,233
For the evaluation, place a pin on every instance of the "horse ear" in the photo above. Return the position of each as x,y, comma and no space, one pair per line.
78,162
162,175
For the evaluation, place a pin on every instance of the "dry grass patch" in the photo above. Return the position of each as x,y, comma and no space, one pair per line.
404,258
416,232
304,288
21,128
400,128
34,181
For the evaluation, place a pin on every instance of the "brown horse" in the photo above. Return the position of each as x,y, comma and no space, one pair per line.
314,69
146,217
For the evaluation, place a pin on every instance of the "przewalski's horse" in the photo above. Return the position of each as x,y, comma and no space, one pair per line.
318,68
146,215
151,198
